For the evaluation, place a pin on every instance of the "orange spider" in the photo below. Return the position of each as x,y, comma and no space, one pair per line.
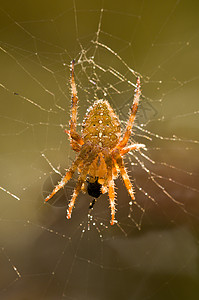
100,148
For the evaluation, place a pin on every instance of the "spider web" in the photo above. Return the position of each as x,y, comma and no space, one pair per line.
152,252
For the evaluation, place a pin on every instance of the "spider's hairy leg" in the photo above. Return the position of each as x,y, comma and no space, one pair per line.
115,172
110,183
76,146
74,104
127,182
130,148
111,193
72,201
77,189
82,178
133,112
74,100
83,153
63,181
120,163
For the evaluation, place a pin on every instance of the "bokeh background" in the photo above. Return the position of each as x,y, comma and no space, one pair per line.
152,253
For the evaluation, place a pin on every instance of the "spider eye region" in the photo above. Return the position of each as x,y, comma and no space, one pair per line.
94,189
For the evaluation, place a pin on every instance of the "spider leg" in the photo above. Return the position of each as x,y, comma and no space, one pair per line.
74,102
126,180
115,171
74,144
110,183
111,193
130,148
72,201
82,178
133,112
82,155
65,179
120,163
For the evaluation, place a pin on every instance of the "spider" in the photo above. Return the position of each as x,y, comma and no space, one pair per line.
101,147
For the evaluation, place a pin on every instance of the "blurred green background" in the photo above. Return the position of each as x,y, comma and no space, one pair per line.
151,255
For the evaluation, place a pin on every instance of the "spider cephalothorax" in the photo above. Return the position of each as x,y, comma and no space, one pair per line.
101,148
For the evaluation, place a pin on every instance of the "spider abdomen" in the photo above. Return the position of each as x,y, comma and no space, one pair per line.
101,126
